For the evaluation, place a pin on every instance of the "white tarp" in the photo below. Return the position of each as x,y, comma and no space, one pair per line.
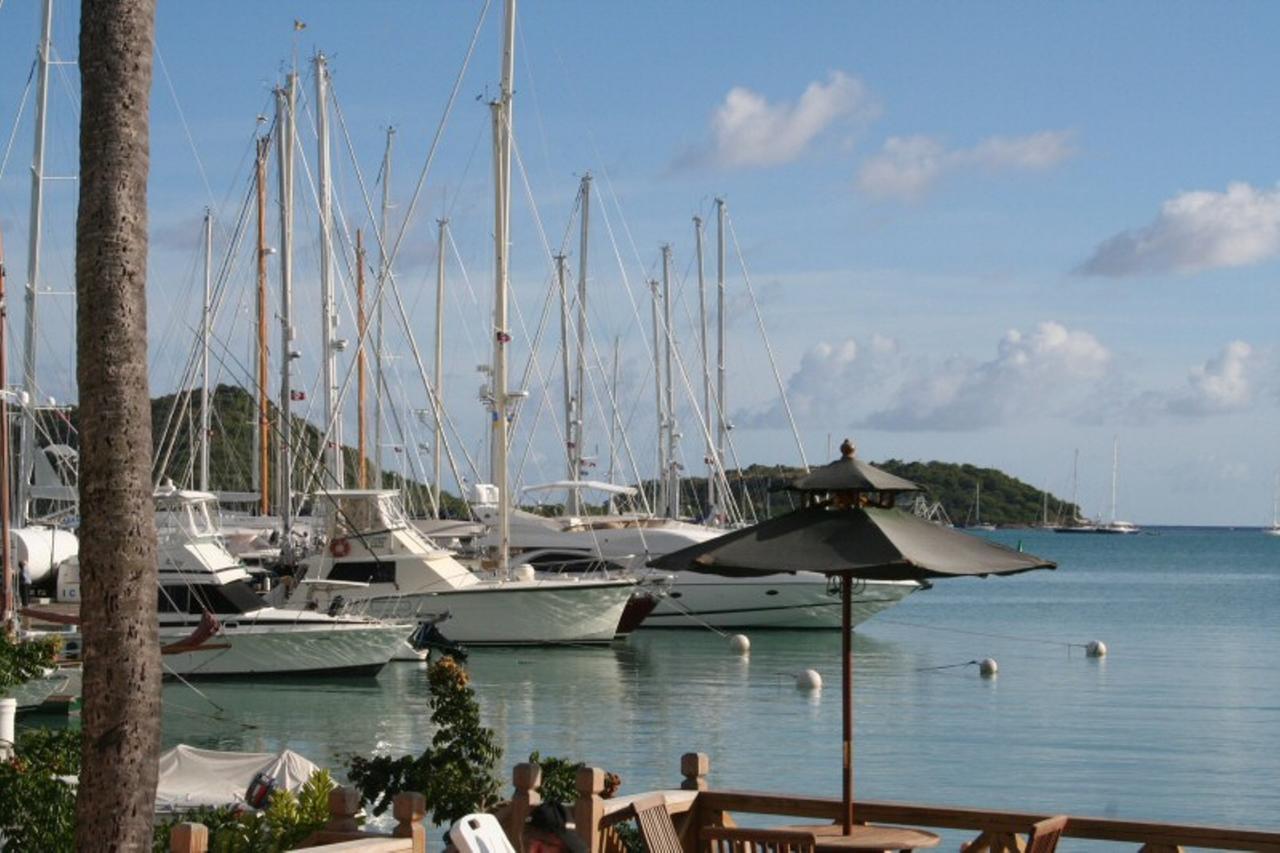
191,777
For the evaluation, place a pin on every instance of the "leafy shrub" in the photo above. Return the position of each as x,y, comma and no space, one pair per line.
37,808
23,661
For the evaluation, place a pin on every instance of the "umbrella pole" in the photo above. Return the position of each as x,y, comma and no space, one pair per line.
846,688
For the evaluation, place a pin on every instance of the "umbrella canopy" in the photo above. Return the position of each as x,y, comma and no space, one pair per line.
855,533
863,542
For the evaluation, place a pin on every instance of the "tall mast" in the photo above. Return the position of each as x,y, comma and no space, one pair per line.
264,422
438,390
722,424
384,268
1115,467
580,381
286,98
206,333
362,477
27,437
672,473
329,311
7,614
706,367
659,478
1075,481
502,123
613,420
567,396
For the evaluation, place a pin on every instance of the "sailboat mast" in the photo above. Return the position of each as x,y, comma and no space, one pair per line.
613,419
566,382
384,269
1115,467
659,479
502,124
286,98
206,332
7,614
672,473
27,435
362,323
329,313
706,365
438,390
264,422
580,381
721,422
1075,482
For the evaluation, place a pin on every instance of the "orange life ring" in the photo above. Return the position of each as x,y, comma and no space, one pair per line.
339,548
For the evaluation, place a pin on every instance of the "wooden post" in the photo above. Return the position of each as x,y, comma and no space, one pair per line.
526,778
343,804
694,766
589,808
189,838
410,810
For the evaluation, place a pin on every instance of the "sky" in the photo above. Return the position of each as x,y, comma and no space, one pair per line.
990,233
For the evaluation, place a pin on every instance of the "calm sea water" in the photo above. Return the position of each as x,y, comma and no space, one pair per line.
1180,722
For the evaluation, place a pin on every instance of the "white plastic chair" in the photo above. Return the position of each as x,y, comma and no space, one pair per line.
480,833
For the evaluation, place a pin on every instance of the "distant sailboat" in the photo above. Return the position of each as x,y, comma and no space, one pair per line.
1114,525
1274,529
977,509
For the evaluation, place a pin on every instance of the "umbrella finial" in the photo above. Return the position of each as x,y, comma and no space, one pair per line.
847,449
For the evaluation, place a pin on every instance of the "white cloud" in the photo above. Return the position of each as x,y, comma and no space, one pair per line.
1050,370
747,130
830,385
908,166
1196,231
1225,383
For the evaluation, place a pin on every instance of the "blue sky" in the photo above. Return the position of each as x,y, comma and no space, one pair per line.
991,233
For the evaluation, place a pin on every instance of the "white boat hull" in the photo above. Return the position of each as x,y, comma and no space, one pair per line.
61,681
514,613
776,601
246,649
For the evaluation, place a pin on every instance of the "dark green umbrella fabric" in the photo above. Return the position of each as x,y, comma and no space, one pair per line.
864,542
851,474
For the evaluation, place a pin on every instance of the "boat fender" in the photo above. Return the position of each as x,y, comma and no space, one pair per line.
259,790
340,548
987,667
808,679
739,644
1096,649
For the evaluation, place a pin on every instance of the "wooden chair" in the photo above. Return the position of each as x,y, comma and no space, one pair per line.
1044,834
656,826
722,839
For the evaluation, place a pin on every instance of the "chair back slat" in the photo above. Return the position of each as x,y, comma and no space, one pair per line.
722,839
1045,834
656,827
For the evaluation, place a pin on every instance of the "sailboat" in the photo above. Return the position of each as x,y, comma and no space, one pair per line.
1114,525
977,510
1274,529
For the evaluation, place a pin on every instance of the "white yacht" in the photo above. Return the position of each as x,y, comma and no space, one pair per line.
213,624
627,542
376,562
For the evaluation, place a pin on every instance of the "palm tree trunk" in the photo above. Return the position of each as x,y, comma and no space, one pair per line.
121,718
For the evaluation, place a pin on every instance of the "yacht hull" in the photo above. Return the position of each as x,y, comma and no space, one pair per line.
276,649
778,601
515,613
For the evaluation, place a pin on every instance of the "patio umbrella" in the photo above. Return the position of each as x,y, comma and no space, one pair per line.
850,527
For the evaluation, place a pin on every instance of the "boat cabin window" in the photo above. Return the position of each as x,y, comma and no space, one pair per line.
232,599
192,518
364,571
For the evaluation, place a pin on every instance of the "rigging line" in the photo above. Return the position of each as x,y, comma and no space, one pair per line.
773,363
435,141
1040,640
186,128
17,120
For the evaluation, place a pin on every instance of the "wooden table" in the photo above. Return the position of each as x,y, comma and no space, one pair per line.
831,837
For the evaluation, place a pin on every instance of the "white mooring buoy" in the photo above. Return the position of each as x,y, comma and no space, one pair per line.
988,667
1096,649
808,679
739,644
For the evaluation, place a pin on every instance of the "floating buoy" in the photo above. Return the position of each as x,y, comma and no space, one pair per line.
988,667
739,644
1096,649
808,679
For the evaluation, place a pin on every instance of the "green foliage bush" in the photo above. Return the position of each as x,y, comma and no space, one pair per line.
23,661
37,808
457,773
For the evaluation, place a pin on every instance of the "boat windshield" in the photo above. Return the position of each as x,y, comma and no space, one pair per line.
194,518
361,514
229,599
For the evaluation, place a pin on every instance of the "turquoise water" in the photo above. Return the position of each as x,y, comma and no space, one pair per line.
1180,722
